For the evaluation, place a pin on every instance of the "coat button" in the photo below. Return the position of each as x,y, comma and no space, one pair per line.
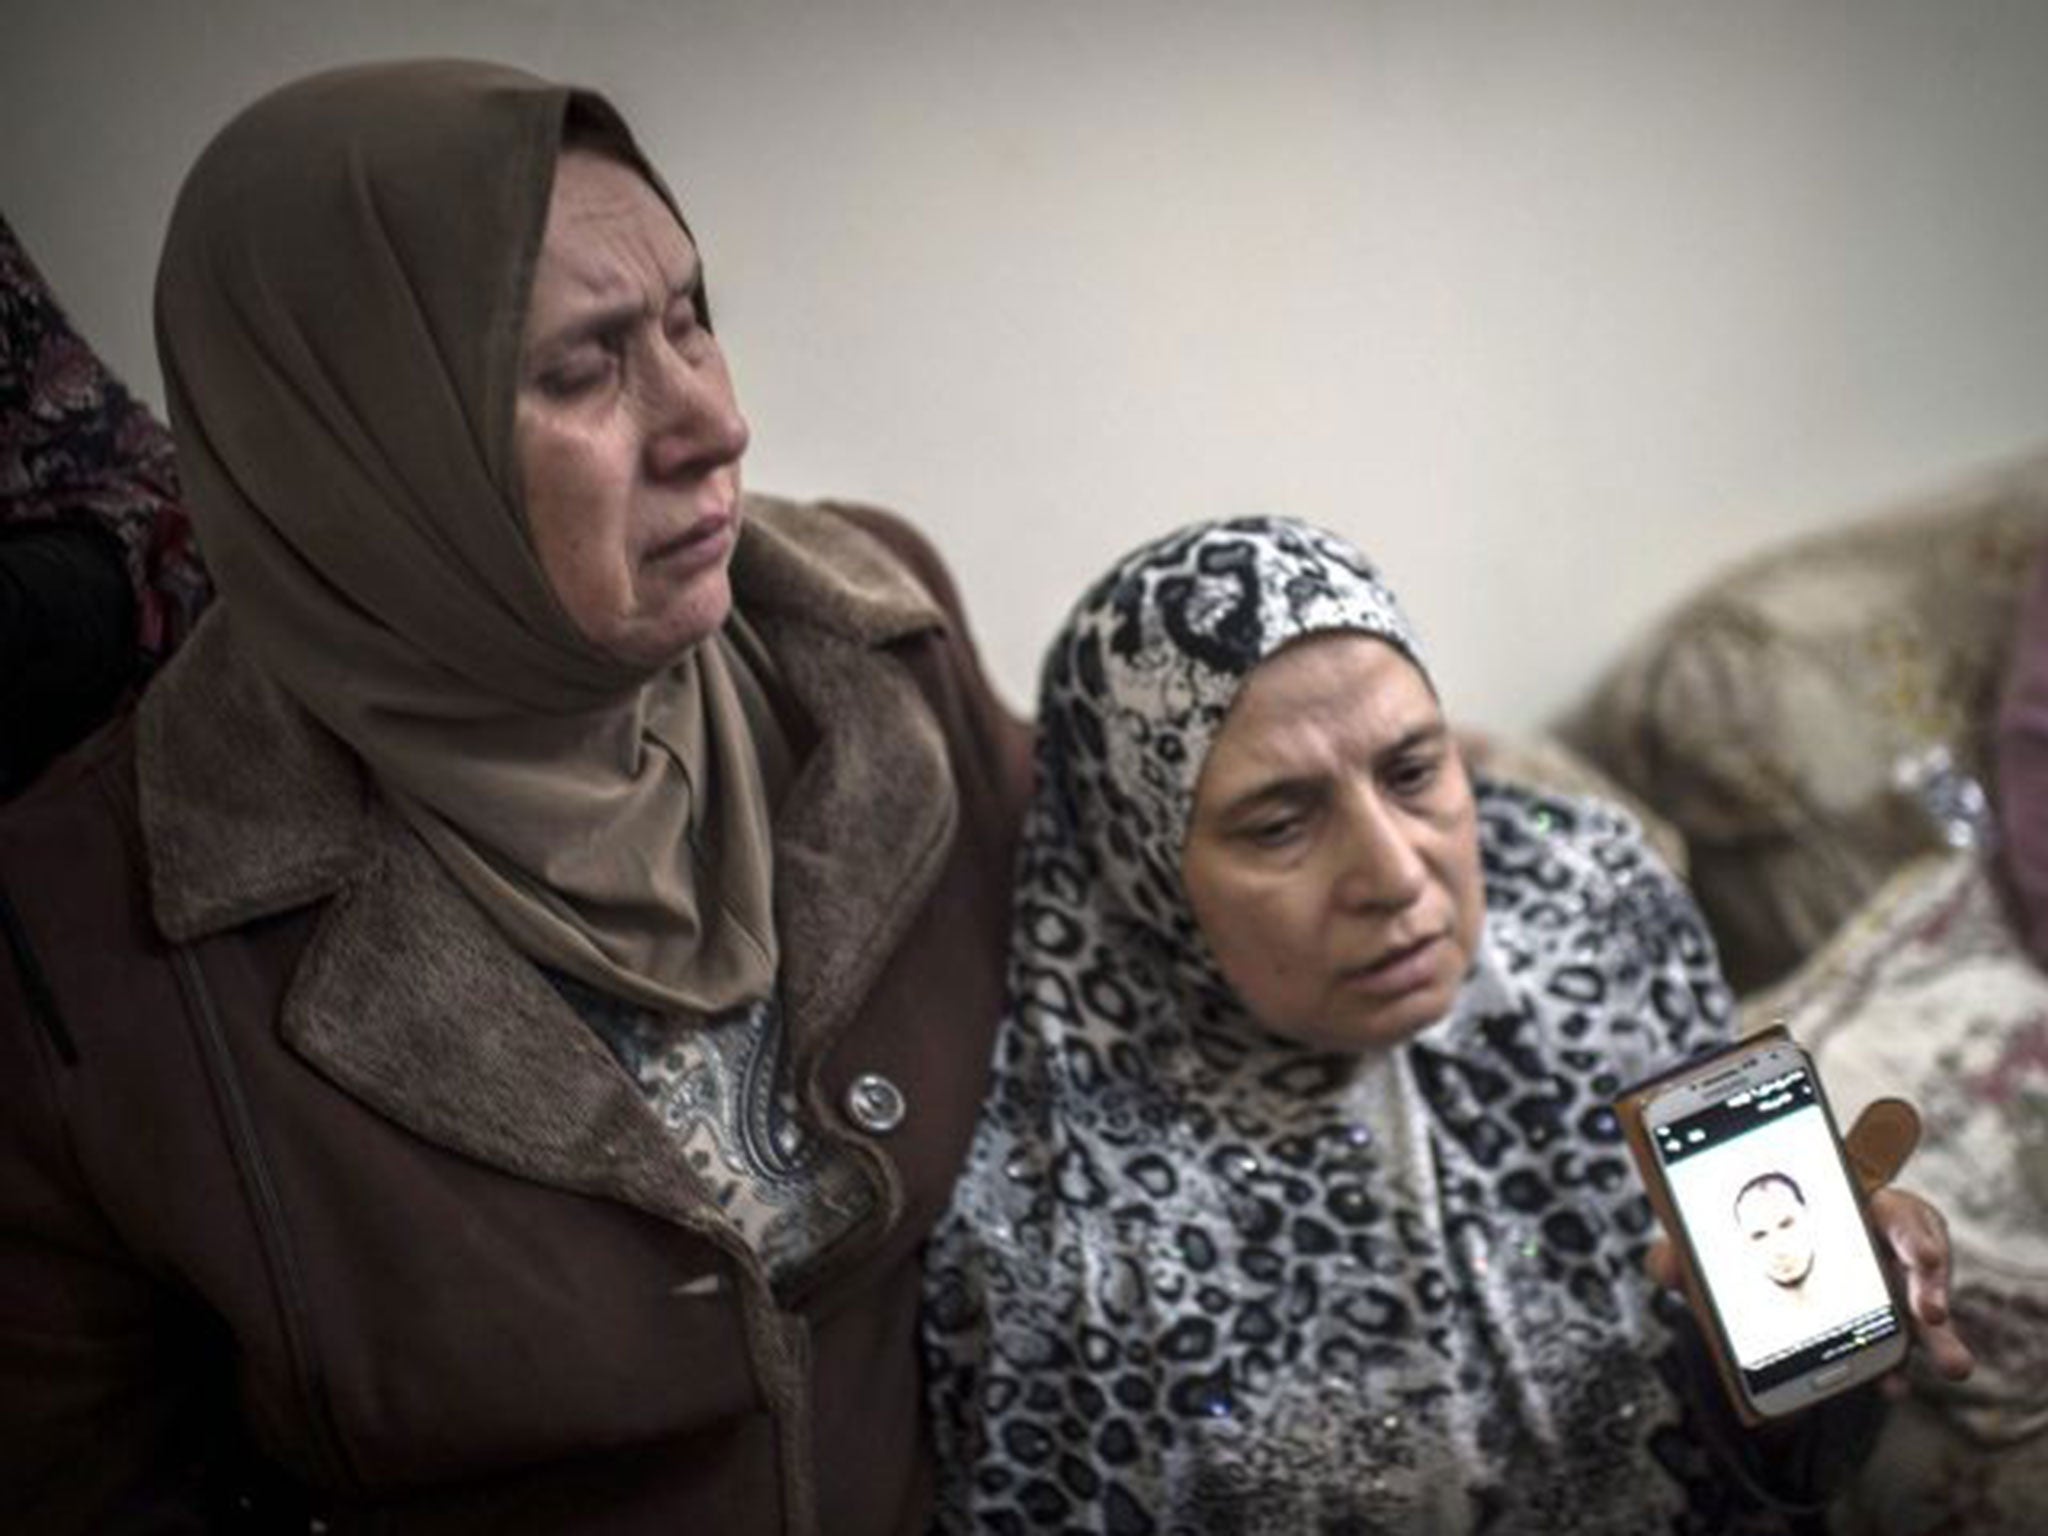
875,1104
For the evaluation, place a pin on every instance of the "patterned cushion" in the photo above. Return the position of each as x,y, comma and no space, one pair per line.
1927,994
1766,718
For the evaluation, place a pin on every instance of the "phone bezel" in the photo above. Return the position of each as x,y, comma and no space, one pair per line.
1700,1085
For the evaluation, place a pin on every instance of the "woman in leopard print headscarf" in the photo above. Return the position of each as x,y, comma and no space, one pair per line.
1297,1204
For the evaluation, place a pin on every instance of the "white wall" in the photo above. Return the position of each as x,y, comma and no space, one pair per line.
1554,307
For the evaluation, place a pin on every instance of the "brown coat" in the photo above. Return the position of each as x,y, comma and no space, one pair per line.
300,1157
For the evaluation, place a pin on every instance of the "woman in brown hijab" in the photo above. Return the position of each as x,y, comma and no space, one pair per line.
486,1045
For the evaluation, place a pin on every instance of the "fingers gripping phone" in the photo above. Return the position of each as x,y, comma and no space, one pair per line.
1746,1170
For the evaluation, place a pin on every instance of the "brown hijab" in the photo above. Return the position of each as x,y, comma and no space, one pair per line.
340,306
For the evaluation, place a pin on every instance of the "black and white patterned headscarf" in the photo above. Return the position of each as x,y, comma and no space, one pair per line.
1138,683
1199,1278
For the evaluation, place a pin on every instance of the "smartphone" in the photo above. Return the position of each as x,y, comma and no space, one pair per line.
1744,1164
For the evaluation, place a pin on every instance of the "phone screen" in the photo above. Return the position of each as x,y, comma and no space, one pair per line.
1775,1229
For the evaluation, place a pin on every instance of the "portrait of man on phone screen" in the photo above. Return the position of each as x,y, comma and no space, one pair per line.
1784,1283
1771,1211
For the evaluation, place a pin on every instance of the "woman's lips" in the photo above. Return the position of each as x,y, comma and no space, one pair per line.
705,542
1402,969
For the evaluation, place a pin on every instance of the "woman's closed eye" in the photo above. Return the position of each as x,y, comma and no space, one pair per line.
582,371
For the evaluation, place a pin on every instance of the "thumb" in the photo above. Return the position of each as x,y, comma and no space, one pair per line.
1881,1140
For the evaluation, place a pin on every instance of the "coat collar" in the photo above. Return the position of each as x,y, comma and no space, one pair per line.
410,999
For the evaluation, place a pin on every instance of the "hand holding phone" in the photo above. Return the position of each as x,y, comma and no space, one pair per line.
1746,1169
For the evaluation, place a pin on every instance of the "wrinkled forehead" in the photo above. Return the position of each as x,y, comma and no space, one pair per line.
1157,651
609,240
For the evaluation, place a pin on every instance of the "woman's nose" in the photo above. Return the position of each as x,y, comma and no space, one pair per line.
1381,864
694,423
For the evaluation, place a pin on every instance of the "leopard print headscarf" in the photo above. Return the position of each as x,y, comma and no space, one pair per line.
1197,1278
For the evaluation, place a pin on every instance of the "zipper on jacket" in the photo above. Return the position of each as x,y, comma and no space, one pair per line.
268,1209
42,1001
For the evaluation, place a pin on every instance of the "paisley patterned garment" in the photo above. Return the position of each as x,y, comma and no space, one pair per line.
74,442
1197,1278
723,1089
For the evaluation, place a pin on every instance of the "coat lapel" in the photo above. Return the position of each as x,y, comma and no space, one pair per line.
412,1001
866,828
407,997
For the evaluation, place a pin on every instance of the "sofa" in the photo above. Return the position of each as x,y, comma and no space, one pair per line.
1814,728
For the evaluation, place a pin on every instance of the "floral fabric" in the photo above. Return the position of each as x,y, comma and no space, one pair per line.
74,442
